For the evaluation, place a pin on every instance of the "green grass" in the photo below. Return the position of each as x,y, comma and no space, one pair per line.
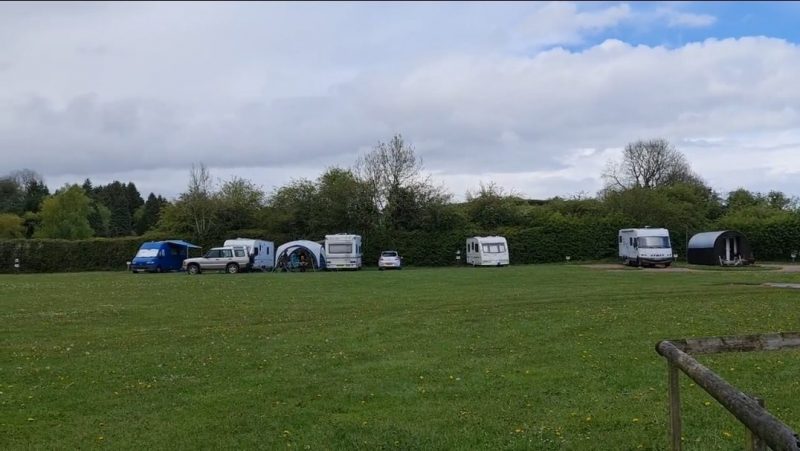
523,357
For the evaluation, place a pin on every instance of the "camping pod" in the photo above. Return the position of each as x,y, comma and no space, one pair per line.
724,248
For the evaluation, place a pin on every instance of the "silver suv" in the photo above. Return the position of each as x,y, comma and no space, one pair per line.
231,259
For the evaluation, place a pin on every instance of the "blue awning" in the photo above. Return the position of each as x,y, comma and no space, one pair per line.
182,243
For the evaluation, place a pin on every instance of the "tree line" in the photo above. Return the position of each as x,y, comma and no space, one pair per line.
384,191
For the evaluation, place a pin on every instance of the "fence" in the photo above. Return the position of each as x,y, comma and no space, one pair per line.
763,428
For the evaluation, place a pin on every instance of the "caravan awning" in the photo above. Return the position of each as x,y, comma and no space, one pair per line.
182,243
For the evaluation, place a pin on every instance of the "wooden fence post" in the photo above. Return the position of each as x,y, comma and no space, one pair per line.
674,407
754,443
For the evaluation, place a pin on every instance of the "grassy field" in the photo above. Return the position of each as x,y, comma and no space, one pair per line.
524,357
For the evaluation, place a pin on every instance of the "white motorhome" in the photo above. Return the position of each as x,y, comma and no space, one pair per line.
640,247
487,251
261,253
343,251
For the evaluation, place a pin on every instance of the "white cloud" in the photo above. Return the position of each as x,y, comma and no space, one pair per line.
558,23
276,91
691,20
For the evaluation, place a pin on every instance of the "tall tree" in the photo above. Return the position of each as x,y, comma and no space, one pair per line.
147,216
392,172
11,226
344,203
648,164
240,202
11,196
65,215
199,201
33,188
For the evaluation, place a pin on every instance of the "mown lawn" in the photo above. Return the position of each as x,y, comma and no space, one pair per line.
524,357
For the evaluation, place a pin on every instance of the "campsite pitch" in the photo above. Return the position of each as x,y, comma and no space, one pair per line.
523,357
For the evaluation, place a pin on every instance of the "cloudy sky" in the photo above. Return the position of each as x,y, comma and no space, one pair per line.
535,97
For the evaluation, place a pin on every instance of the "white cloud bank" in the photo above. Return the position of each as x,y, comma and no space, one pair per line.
276,91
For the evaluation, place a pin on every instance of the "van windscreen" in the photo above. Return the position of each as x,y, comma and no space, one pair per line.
653,242
147,253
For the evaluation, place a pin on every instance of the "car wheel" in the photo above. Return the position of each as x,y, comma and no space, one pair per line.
158,269
232,268
193,269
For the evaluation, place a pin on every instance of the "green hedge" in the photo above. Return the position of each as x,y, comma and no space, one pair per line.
771,239
581,239
99,254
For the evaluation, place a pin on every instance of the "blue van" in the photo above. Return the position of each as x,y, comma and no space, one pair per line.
161,256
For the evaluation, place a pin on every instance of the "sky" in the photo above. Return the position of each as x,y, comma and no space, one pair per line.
534,97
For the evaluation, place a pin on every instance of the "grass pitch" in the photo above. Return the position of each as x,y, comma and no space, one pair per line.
523,357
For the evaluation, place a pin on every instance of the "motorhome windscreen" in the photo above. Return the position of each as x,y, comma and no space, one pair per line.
345,248
147,253
494,248
658,242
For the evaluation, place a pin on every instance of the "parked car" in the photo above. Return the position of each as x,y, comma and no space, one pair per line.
231,259
390,260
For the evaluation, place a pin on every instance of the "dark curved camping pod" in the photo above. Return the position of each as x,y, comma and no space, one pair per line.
725,247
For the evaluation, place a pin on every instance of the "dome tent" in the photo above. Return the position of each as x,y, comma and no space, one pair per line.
724,247
314,250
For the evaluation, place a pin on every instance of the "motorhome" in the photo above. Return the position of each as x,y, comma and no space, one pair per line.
261,253
487,251
645,247
343,251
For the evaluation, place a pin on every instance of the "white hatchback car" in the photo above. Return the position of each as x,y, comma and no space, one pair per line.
389,260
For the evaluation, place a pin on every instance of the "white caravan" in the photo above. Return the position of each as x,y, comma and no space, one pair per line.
487,251
639,247
261,253
343,251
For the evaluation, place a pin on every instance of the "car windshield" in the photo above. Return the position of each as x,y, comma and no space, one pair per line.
389,254
147,253
653,242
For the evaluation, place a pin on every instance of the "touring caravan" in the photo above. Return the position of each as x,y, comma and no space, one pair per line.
640,247
487,251
261,253
343,251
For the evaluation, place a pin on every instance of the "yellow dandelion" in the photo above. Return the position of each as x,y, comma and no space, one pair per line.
707,403
588,418
726,433
635,420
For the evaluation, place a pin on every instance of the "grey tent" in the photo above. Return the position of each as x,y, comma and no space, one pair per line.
724,247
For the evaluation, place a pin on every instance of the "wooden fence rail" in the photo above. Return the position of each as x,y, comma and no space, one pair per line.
765,428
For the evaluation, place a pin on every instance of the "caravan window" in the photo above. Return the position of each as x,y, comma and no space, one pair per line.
255,251
494,248
346,248
620,238
653,242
